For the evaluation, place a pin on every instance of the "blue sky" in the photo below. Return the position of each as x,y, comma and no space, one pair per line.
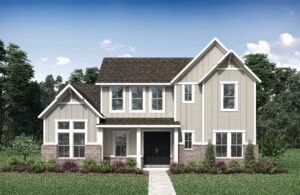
60,36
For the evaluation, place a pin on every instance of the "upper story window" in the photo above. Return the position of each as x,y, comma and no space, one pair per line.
157,99
117,99
229,97
188,93
137,99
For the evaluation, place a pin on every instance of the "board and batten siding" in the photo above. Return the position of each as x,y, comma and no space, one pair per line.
71,112
169,105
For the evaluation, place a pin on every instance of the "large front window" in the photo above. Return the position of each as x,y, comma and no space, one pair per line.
157,99
137,102
229,97
121,143
229,144
71,139
117,102
236,145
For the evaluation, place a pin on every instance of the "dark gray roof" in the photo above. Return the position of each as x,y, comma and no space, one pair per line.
140,70
90,92
139,121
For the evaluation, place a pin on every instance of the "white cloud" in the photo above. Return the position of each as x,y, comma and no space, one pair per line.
62,60
285,51
44,59
125,55
132,49
105,43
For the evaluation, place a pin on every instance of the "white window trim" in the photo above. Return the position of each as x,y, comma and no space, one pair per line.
110,100
183,138
229,142
71,132
163,100
236,97
130,101
183,94
114,143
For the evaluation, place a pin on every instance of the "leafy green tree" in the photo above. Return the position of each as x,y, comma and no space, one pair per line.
210,154
76,77
273,145
24,145
91,75
49,88
2,80
249,156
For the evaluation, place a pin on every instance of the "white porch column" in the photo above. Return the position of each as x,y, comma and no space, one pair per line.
176,145
138,148
100,140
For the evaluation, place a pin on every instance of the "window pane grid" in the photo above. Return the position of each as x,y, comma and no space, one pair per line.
63,145
188,92
236,145
157,98
188,140
229,96
221,144
121,145
137,98
117,98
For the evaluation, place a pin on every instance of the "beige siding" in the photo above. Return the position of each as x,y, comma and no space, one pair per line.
203,65
70,111
215,119
169,105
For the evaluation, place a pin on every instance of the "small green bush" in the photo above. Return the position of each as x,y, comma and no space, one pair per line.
249,156
210,154
37,167
273,145
104,167
6,168
191,166
138,171
60,170
130,163
52,165
12,161
88,165
74,170
177,168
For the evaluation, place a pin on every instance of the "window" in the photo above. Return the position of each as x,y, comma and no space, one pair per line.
121,143
71,138
79,145
63,125
221,145
188,96
229,97
63,145
117,102
79,125
236,145
157,99
137,96
188,140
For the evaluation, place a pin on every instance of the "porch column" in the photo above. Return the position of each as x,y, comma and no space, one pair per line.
138,148
176,145
100,140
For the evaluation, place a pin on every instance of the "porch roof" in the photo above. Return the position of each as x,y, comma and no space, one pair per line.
139,122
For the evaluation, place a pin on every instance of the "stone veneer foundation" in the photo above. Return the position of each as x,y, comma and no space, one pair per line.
91,151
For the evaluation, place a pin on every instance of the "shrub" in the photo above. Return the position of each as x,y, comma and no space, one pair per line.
120,167
104,167
130,163
6,168
74,169
221,167
210,154
282,170
138,171
202,169
269,167
52,165
21,167
249,156
88,165
68,165
37,167
12,161
234,164
273,145
191,166
24,145
60,170
177,168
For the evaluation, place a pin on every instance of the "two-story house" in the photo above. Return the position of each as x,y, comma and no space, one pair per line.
156,110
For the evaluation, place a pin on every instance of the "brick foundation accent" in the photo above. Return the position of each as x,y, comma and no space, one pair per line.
197,153
91,151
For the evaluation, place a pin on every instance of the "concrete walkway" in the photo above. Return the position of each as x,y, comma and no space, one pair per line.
160,183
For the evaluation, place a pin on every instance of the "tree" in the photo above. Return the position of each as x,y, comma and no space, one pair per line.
2,79
249,156
89,77
273,145
76,77
24,145
49,88
210,154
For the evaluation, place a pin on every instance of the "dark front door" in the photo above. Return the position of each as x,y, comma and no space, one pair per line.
156,148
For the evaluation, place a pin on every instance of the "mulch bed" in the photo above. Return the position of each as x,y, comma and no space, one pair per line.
145,174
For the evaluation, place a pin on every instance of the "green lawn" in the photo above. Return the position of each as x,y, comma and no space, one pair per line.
244,184
11,183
